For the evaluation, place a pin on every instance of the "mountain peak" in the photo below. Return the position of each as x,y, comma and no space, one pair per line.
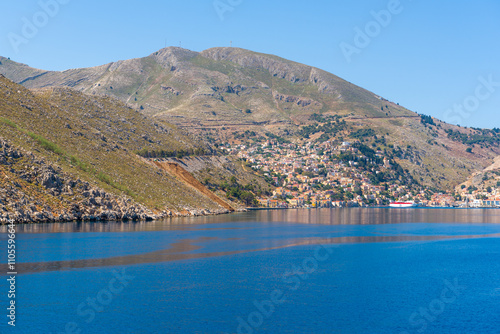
172,56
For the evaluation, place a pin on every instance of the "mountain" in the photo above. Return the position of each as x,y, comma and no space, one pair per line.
213,87
65,155
220,93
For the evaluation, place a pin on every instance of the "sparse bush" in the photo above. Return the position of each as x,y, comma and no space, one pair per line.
362,133
105,178
78,163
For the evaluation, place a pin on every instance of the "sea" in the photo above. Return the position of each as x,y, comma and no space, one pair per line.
343,270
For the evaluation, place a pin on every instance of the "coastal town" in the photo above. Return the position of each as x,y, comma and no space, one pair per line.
343,174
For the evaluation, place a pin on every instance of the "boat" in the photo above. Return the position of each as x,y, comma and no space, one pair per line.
402,204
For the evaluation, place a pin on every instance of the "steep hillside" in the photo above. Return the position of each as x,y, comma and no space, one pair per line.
89,144
432,151
220,93
485,183
34,190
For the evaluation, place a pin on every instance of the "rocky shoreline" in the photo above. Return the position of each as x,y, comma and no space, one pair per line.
34,191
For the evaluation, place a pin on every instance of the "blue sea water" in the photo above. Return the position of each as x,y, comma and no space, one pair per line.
293,271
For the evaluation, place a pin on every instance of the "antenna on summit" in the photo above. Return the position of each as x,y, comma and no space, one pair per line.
231,44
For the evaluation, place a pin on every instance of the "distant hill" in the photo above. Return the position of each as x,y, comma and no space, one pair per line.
221,92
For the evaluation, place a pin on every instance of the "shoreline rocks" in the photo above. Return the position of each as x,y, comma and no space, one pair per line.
34,191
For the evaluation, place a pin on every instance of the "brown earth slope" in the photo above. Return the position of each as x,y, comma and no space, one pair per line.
186,177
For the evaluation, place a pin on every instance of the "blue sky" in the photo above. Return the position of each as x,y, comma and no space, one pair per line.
440,58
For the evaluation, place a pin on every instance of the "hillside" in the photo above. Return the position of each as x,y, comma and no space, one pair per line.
220,93
34,190
483,184
217,85
65,155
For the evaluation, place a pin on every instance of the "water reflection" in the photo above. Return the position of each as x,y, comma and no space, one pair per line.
203,237
377,216
345,216
185,250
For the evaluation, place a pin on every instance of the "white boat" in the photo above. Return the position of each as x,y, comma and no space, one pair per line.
402,204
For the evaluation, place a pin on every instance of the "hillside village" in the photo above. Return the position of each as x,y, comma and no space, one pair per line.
341,145
485,193
343,174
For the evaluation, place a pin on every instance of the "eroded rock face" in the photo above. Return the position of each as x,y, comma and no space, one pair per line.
49,178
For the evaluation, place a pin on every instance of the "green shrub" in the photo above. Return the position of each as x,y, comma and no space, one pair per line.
8,122
361,133
78,163
105,178
109,181
46,144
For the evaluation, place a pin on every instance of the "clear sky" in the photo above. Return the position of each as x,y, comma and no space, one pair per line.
440,58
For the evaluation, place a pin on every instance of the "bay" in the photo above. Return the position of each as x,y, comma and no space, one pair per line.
358,270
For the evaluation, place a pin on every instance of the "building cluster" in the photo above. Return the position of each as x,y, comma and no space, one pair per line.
480,198
475,199
313,175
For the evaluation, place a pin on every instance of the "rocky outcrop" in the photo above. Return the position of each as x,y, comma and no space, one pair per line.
186,177
277,67
300,101
34,191
171,90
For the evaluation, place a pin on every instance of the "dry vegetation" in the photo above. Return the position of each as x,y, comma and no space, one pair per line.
95,139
